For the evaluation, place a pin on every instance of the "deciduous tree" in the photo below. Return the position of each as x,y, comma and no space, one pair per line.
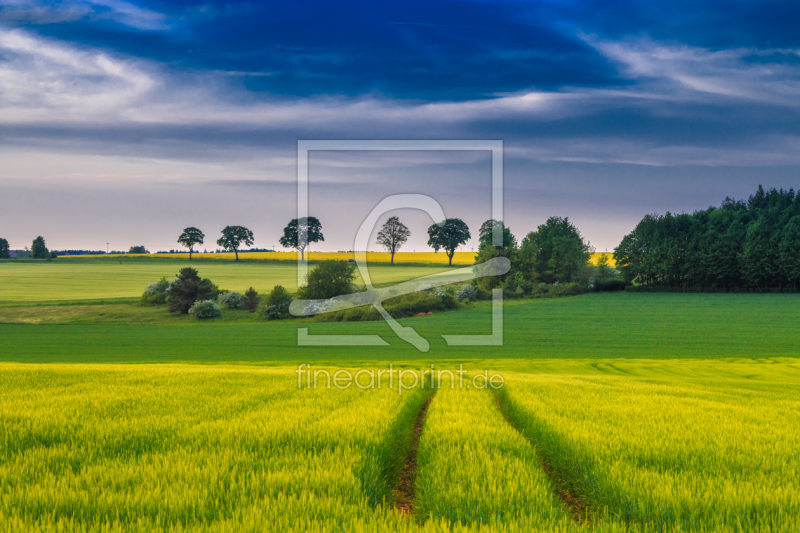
448,236
190,237
235,236
558,250
393,235
38,248
329,279
301,232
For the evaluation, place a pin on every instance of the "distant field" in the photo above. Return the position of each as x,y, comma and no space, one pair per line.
85,279
644,446
460,258
600,325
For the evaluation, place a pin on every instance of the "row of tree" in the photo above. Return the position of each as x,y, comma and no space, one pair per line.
300,232
740,245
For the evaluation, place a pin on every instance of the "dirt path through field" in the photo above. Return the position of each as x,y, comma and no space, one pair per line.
404,491
577,508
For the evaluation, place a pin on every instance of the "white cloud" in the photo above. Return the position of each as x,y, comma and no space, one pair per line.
50,13
50,84
741,73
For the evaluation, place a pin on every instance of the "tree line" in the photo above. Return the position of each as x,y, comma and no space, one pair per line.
741,245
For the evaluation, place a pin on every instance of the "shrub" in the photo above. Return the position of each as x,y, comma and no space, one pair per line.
231,300
467,292
610,285
565,289
329,279
188,289
156,293
156,287
277,304
204,309
399,307
250,301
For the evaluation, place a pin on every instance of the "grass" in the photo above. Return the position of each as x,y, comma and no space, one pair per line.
655,412
651,446
716,451
476,469
600,326
146,449
106,278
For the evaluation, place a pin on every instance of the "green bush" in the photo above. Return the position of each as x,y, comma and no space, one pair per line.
434,300
277,304
467,292
187,289
204,309
329,279
231,300
251,299
604,285
156,292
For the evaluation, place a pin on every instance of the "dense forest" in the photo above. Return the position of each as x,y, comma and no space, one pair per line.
737,246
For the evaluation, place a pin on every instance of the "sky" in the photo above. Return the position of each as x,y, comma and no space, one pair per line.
124,122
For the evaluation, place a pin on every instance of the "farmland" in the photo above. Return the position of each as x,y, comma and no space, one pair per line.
414,258
223,448
603,325
620,412
106,278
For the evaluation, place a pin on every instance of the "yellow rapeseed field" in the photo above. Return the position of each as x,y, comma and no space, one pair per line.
460,258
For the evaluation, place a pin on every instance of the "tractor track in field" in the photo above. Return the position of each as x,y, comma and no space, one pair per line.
404,490
577,508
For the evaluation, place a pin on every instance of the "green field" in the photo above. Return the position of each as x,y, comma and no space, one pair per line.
620,412
93,279
644,446
605,325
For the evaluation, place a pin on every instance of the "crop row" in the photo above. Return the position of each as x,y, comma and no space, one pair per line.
100,447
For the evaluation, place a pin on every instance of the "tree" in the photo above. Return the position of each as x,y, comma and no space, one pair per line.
4,251
448,236
38,248
486,235
558,249
138,250
301,232
603,270
250,300
393,235
189,288
190,237
328,279
235,236
487,251
278,302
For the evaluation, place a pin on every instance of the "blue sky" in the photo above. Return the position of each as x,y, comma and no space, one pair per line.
125,122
